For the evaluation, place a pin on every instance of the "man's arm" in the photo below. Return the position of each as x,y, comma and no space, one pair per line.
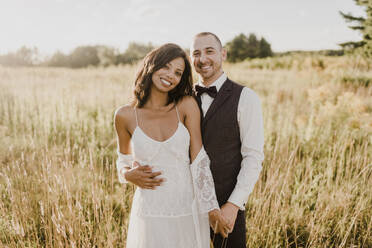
252,139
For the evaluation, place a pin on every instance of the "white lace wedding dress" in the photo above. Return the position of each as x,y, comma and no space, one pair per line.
175,214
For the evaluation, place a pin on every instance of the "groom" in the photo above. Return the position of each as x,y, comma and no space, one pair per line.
232,132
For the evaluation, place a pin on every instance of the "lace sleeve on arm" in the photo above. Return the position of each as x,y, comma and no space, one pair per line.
203,183
123,163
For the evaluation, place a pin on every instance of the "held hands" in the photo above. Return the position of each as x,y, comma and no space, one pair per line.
230,211
223,221
218,222
143,177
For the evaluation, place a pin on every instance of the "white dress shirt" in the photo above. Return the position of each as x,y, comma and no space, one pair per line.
251,136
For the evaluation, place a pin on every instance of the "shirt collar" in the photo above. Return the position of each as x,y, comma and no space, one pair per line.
218,83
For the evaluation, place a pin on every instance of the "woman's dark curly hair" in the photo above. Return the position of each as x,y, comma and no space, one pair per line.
156,60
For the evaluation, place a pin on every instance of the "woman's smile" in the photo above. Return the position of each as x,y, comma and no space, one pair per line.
165,82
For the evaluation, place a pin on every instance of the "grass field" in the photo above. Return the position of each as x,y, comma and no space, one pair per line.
58,180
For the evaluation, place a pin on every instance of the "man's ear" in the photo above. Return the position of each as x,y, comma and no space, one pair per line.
224,54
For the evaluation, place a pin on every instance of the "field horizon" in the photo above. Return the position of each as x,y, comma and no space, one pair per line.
58,178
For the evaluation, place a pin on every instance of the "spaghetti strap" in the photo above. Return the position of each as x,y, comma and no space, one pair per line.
135,114
178,116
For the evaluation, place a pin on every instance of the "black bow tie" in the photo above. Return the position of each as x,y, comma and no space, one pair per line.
211,91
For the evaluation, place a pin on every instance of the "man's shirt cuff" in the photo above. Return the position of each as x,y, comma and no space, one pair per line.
239,198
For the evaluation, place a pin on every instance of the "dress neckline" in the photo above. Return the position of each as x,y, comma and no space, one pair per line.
152,139
157,141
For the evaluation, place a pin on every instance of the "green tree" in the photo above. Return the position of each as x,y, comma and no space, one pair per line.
243,47
22,57
134,52
107,55
253,46
83,56
237,48
59,59
265,49
363,25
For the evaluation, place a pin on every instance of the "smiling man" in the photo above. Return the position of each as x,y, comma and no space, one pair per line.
232,130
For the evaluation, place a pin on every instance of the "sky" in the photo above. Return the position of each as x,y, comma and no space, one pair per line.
52,25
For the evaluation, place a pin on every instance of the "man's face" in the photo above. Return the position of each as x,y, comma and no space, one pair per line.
207,57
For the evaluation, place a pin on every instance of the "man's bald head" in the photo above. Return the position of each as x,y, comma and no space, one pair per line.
211,34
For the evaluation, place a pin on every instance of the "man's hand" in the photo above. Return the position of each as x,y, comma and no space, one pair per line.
143,177
229,211
218,223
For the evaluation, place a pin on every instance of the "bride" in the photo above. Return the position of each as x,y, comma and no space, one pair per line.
160,150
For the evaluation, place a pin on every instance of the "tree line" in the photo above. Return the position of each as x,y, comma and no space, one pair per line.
240,48
81,56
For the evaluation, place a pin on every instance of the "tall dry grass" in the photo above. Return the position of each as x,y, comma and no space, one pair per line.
58,181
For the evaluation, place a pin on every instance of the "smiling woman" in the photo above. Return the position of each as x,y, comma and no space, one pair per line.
154,74
169,76
161,129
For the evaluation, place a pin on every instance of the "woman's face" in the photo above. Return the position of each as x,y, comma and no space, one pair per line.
168,77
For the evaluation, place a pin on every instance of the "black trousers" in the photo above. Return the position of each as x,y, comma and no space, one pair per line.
236,239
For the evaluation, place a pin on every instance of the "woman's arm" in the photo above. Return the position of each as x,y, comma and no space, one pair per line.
192,123
121,120
200,169
128,169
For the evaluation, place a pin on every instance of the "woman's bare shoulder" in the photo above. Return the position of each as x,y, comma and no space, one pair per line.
124,114
189,106
188,102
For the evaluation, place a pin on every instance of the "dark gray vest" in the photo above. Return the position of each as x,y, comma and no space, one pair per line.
221,138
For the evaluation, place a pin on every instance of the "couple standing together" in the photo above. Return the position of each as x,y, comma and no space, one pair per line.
195,153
